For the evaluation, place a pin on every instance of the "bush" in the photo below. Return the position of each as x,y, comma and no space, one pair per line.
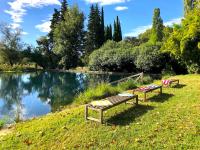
113,56
149,58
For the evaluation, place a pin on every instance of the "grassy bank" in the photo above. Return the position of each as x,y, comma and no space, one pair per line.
169,121
18,68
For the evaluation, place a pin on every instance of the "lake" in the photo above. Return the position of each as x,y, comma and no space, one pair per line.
27,95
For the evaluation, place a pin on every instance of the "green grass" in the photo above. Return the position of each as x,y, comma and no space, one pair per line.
169,121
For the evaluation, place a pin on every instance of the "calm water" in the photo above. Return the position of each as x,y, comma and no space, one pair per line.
28,95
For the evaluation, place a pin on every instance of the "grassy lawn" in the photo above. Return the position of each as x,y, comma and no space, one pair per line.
170,121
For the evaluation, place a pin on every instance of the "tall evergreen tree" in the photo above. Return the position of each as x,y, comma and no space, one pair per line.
102,27
54,21
94,34
117,36
108,32
64,6
157,29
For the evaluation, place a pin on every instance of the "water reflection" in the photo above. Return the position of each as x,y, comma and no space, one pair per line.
29,95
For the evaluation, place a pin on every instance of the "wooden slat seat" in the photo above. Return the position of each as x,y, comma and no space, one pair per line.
148,89
113,101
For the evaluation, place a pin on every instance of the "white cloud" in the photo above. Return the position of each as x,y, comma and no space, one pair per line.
173,21
24,33
106,2
141,29
18,8
44,27
121,8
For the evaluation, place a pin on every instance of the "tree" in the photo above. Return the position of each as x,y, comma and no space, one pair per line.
54,21
63,10
10,44
157,28
183,44
69,36
95,35
102,38
50,60
188,6
117,36
108,33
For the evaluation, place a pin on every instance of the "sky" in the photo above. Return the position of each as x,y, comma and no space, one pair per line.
33,16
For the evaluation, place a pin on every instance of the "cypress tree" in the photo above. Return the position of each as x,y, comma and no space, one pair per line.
157,28
64,6
117,36
102,27
110,33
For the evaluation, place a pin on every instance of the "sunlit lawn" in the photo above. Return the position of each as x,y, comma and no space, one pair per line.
170,121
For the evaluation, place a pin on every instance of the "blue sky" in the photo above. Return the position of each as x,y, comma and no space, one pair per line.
136,15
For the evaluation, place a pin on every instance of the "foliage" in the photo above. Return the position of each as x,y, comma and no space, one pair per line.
95,34
159,123
2,123
117,35
149,58
113,56
48,57
103,90
108,33
183,42
68,38
18,67
157,28
10,44
189,5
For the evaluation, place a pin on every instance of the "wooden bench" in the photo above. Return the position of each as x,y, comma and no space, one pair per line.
170,82
114,101
148,89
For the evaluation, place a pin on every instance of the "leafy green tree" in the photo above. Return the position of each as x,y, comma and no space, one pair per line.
10,44
157,28
189,5
117,36
69,37
183,44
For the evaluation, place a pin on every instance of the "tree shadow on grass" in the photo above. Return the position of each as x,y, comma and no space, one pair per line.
128,116
179,86
161,97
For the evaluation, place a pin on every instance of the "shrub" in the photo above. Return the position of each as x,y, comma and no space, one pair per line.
113,56
149,58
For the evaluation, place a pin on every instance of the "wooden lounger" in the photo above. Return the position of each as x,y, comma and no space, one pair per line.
146,90
170,82
114,101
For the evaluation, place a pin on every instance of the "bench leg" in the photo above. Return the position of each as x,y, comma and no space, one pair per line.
86,112
137,99
160,90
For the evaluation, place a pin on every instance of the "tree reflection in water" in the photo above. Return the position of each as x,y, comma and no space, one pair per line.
51,89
